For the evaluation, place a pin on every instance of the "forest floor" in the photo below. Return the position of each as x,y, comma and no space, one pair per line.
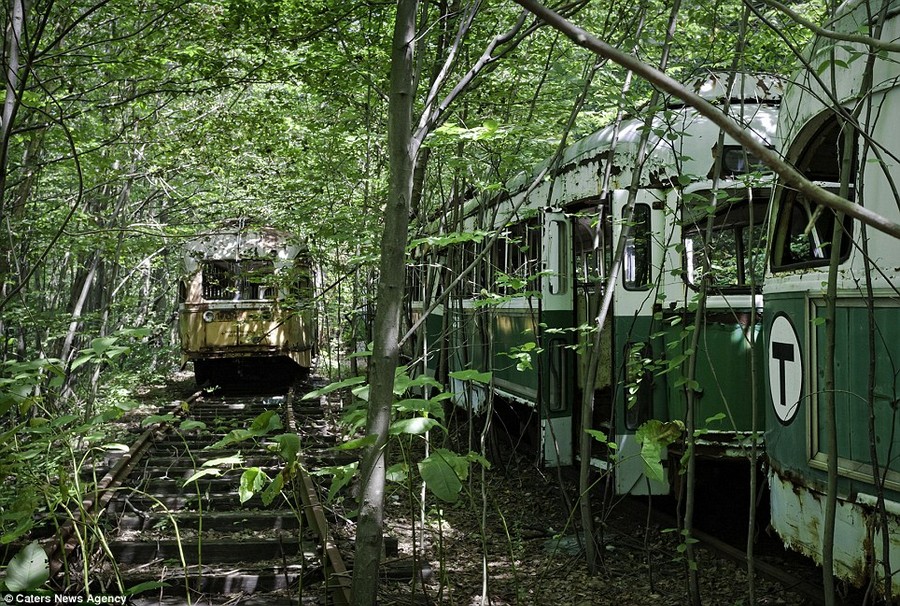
532,556
510,537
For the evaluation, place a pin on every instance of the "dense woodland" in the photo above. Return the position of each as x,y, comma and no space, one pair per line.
128,127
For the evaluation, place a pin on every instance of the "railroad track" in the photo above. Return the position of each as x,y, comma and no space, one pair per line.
193,514
794,572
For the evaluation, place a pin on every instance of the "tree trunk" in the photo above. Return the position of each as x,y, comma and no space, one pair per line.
385,354
878,479
830,416
11,103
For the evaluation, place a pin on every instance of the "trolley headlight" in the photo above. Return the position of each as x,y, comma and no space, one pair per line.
208,316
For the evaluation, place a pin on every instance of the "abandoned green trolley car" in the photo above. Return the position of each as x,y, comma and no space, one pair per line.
831,147
523,313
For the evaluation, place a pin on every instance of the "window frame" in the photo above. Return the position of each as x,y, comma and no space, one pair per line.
741,227
646,259
816,152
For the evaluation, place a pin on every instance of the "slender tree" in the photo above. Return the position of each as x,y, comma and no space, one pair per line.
385,351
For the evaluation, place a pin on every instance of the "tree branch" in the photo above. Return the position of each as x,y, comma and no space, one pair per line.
827,33
788,173
432,115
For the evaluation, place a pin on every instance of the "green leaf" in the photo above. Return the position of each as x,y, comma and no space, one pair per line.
288,446
448,239
110,414
208,471
361,392
420,405
236,459
21,520
398,472
472,375
273,490
150,420
440,477
252,480
29,569
102,344
191,424
597,435
363,442
63,420
235,436
414,426
263,424
677,360
716,417
403,383
355,418
137,333
334,387
81,360
474,457
653,436
266,422
342,474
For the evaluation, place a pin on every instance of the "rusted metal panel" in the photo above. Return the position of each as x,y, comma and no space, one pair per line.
798,515
212,332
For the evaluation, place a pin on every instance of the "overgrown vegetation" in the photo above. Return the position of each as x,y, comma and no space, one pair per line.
130,127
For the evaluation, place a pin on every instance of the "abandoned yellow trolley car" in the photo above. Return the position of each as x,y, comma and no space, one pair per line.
247,306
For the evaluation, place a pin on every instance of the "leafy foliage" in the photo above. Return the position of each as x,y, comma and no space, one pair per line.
653,436
136,125
262,425
29,569
442,471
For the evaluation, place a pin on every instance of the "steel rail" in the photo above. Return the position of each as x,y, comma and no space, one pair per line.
314,512
811,591
66,538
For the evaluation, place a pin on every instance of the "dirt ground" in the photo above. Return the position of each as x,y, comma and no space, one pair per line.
528,552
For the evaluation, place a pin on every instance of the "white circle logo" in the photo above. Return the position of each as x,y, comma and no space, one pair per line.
785,369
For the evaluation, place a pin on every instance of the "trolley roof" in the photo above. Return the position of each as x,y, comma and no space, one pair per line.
748,101
681,148
233,243
838,68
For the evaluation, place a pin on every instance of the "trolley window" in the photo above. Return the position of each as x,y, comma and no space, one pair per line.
735,252
236,280
516,257
738,161
637,259
638,384
590,236
803,230
414,284
557,257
